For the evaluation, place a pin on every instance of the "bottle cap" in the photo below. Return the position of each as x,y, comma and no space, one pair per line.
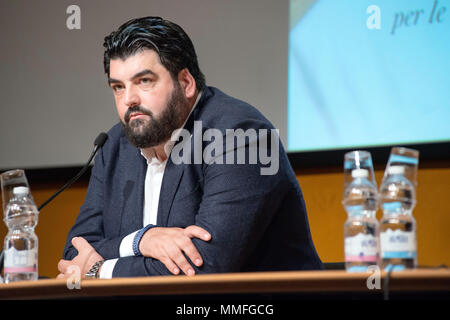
20,190
396,170
360,173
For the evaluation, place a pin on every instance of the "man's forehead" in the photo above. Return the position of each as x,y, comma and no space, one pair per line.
143,59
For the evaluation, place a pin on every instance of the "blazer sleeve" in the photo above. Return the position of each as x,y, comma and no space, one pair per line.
237,205
89,223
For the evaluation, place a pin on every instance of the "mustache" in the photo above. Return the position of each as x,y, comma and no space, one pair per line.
138,109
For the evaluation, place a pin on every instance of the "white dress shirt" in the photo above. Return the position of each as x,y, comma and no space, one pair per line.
153,182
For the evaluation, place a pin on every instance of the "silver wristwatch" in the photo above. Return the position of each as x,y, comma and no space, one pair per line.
94,273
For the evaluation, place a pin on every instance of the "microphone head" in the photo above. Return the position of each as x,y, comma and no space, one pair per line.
100,140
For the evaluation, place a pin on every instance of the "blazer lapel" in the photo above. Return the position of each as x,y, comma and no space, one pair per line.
174,172
169,187
134,170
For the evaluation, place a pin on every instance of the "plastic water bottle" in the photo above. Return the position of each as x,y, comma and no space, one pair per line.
397,226
21,243
361,228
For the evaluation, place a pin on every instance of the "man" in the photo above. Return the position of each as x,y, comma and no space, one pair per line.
156,205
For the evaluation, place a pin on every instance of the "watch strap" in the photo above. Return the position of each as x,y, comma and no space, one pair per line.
94,273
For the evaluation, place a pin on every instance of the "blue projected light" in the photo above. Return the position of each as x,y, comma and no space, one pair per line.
368,73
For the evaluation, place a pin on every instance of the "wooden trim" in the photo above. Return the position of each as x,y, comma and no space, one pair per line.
233,283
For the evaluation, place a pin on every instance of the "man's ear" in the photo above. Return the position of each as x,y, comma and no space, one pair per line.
187,83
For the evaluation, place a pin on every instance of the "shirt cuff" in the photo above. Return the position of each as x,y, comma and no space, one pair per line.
138,238
107,269
126,246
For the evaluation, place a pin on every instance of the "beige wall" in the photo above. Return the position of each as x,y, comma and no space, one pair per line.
323,194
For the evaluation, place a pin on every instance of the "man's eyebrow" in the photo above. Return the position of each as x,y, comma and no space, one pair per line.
137,75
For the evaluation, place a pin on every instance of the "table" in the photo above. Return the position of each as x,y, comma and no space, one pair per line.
304,283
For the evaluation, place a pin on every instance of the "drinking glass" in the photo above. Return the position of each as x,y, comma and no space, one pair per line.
406,158
9,180
358,159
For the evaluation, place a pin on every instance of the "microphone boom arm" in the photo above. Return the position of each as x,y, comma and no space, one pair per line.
71,181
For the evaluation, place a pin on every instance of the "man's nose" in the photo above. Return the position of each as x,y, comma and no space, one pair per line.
131,97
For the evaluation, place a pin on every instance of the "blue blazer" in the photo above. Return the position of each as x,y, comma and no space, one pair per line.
257,222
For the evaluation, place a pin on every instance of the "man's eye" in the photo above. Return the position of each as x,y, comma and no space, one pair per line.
117,88
145,80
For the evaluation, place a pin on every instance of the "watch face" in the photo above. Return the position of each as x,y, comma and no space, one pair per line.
93,272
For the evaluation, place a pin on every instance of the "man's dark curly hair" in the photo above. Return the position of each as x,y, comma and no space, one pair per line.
167,39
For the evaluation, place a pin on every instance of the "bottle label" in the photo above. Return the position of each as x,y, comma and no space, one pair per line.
398,244
20,260
361,248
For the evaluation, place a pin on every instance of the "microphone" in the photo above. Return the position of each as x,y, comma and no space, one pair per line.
98,143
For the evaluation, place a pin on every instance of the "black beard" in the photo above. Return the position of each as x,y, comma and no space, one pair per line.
144,133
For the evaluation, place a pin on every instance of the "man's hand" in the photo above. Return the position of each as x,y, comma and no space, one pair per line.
168,244
85,259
